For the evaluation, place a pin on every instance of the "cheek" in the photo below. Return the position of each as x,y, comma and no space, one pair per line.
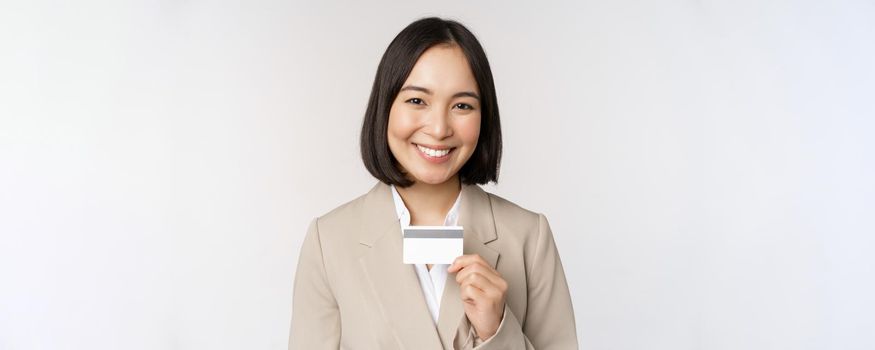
401,125
468,130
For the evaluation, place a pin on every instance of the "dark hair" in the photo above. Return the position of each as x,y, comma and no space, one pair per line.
395,66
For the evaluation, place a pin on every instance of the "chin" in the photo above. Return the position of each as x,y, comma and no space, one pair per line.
432,179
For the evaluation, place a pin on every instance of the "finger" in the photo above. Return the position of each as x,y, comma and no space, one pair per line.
471,294
490,292
479,281
480,292
475,263
466,260
483,270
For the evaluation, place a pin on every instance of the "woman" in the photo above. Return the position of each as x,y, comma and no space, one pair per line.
431,134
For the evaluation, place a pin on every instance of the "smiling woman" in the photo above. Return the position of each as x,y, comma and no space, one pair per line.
436,117
431,68
431,135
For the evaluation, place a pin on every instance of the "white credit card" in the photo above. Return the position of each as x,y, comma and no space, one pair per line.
432,244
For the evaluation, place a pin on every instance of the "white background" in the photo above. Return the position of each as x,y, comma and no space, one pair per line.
707,166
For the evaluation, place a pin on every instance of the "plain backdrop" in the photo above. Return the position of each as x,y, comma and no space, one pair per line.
707,166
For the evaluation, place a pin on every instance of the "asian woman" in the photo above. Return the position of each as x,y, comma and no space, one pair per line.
431,135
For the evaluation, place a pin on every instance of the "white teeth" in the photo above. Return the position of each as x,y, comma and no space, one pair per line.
433,152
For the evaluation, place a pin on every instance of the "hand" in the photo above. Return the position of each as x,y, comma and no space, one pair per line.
483,292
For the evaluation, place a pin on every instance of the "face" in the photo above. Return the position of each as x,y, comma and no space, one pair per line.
434,122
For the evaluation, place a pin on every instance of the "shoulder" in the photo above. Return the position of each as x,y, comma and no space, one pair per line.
510,214
360,217
503,222
345,212
506,207
348,214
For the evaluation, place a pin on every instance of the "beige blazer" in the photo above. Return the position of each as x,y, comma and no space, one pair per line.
352,291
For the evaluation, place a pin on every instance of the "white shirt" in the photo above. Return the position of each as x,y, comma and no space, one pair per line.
432,281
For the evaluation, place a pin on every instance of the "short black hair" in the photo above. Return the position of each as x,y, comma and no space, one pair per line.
395,66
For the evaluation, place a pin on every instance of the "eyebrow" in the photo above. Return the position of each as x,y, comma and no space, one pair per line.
428,92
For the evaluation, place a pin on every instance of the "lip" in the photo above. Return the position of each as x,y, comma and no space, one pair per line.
434,147
435,160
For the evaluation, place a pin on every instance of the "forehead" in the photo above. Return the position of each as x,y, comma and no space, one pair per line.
443,69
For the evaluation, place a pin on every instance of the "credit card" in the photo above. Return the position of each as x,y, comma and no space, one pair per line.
432,244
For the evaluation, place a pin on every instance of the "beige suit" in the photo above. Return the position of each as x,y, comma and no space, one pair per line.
352,291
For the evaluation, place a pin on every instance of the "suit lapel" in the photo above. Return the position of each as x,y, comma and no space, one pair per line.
394,284
475,216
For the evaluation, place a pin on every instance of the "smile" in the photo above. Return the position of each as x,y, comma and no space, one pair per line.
433,154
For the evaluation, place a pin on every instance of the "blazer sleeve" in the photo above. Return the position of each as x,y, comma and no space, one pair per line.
549,323
315,314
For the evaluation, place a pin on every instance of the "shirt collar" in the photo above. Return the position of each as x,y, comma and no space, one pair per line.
403,214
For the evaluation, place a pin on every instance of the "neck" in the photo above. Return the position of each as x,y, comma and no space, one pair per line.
429,204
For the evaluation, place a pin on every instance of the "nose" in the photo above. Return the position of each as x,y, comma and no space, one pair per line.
438,124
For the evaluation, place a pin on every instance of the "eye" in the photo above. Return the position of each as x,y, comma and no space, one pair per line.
416,101
464,106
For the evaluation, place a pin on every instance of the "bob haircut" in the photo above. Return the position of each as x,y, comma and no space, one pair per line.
395,66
